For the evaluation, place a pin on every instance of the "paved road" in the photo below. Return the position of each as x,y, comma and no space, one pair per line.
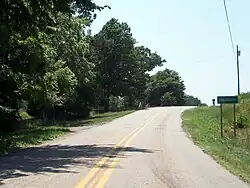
144,149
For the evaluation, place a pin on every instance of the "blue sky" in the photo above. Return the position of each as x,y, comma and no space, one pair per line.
193,37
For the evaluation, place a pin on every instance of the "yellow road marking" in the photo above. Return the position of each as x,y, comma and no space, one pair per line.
95,180
95,171
115,162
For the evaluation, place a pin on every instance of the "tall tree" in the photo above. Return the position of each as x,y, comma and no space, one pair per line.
114,47
26,26
166,88
121,67
146,61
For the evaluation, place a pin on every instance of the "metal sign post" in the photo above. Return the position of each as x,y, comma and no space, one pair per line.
221,121
227,100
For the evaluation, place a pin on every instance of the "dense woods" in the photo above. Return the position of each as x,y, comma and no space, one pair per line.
53,67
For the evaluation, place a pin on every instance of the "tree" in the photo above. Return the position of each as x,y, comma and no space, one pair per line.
165,88
50,62
114,47
145,61
26,29
168,99
193,101
121,68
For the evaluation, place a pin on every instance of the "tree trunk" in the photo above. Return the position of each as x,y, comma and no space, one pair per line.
130,101
106,103
53,114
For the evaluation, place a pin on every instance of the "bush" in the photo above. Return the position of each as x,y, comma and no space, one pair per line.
113,103
9,120
77,110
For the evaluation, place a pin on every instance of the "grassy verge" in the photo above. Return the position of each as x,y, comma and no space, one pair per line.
33,134
98,119
203,124
24,115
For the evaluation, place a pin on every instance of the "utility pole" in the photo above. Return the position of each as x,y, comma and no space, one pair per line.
238,68
238,79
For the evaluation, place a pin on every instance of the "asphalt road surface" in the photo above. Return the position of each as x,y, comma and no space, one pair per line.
145,149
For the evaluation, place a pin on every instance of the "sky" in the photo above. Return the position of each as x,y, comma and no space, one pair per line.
193,37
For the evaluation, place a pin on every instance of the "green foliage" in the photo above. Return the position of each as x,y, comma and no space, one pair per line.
8,119
168,99
193,101
29,136
114,46
100,119
113,102
50,62
244,97
59,84
35,35
166,88
24,115
204,104
121,68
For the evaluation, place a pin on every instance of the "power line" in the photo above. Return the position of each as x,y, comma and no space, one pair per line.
229,27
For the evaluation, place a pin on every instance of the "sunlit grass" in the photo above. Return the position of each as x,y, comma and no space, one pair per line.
204,126
28,136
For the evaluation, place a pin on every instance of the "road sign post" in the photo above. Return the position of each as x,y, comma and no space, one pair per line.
227,100
221,121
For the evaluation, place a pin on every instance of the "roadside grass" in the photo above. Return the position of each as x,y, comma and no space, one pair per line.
33,133
98,119
28,136
203,124
24,115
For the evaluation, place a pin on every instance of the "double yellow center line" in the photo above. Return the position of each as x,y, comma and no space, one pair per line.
99,175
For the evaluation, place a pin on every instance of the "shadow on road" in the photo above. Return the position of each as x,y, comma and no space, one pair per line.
58,159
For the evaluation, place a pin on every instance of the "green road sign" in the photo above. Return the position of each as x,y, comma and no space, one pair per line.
227,99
